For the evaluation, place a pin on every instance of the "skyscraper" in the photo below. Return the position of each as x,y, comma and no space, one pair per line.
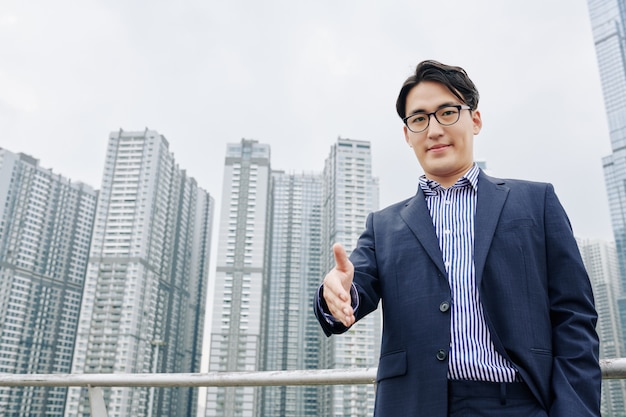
145,291
241,276
46,222
292,333
608,20
600,261
350,193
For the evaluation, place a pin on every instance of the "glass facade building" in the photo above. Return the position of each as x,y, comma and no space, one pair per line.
608,18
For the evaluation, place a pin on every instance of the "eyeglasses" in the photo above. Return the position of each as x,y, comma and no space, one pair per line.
446,116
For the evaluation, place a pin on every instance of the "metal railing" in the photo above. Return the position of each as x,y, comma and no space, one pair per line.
611,369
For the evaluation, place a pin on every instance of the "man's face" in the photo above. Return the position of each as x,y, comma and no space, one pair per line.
445,153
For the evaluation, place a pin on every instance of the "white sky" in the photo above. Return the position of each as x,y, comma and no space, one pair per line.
297,75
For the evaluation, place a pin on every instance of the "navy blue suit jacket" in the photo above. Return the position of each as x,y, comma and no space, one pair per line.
534,289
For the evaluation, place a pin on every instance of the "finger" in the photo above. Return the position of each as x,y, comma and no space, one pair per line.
348,317
333,299
343,313
336,306
342,262
348,321
336,289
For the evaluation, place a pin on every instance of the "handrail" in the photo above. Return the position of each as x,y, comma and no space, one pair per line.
349,376
611,369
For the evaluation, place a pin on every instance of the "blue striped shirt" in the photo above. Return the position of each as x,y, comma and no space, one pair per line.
472,353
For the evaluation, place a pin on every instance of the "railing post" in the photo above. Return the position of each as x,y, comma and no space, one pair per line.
96,402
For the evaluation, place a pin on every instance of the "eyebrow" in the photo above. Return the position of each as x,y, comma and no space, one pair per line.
446,104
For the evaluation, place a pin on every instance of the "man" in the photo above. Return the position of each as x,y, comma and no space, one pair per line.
487,307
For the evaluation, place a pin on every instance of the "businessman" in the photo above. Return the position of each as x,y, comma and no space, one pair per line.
487,307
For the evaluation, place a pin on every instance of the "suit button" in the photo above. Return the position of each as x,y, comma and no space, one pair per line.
444,306
442,355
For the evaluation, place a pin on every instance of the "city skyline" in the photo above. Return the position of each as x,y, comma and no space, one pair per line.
358,170
331,70
72,73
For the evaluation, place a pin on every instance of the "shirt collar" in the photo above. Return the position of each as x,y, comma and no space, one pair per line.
432,187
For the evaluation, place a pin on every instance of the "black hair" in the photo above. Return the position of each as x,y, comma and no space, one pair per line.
454,78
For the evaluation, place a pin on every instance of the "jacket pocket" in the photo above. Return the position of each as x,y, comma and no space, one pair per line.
541,351
391,364
517,223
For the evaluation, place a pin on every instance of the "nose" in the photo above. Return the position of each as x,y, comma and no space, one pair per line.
434,128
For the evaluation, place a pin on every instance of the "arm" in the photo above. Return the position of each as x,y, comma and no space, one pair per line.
338,302
576,376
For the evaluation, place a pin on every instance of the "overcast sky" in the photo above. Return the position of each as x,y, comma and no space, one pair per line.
297,75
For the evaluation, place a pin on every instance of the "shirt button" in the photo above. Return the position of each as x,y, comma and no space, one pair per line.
444,306
442,355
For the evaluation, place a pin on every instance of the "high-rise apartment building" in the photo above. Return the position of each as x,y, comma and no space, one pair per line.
276,234
600,260
608,20
292,332
46,222
143,305
241,276
350,193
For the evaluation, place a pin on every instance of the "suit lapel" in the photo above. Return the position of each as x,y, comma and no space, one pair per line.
417,217
492,194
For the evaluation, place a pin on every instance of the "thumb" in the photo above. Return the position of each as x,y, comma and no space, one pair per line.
342,262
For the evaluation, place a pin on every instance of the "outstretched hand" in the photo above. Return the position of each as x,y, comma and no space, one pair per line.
337,285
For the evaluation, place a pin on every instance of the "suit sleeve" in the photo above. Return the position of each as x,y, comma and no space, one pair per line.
367,295
329,323
576,375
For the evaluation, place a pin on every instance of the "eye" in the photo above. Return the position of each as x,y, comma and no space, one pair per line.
448,111
418,118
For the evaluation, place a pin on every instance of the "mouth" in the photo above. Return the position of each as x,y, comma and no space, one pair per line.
439,147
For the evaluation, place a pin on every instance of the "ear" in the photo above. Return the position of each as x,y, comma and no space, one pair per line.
406,136
476,121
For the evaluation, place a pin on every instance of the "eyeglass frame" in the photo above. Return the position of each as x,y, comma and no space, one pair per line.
459,107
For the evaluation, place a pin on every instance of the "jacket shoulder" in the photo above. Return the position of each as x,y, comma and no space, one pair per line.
395,207
513,183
